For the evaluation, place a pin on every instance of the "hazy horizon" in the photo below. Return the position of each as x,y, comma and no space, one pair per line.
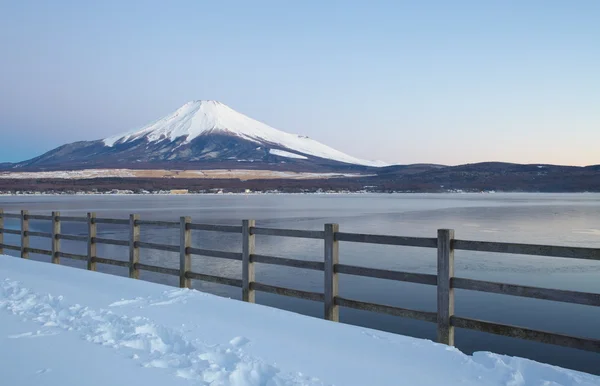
403,82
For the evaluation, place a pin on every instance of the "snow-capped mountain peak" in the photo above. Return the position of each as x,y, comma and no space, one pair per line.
203,117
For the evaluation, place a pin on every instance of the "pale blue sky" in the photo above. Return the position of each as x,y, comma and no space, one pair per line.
404,81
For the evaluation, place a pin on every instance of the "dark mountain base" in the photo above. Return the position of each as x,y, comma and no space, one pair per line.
443,180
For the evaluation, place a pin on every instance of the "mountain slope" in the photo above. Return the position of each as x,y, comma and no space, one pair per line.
199,134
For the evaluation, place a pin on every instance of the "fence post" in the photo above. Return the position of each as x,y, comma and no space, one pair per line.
55,239
24,235
248,243
445,292
185,259
134,250
332,257
1,231
91,244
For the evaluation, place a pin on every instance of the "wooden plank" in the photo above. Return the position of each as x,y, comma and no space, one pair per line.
274,260
122,243
39,217
11,231
55,239
388,240
73,256
134,250
185,259
39,251
212,253
587,344
574,297
118,263
390,310
314,296
113,221
91,245
331,284
216,228
288,233
24,237
160,247
10,247
11,215
419,278
154,268
72,237
73,219
445,292
39,234
529,249
248,247
214,279
167,224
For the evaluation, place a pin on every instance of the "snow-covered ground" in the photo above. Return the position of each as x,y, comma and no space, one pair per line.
61,326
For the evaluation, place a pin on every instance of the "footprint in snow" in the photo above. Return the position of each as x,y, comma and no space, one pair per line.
126,302
36,334
239,341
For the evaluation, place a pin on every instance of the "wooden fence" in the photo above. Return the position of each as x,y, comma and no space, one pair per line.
446,282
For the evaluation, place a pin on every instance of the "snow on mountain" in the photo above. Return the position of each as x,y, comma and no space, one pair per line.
199,118
287,154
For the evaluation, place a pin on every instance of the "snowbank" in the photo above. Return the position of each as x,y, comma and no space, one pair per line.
64,326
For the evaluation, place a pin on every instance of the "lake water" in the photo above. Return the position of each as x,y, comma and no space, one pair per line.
561,219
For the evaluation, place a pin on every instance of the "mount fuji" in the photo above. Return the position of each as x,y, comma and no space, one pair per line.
199,135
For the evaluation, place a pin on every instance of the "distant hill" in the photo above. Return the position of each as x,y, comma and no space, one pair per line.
481,177
497,176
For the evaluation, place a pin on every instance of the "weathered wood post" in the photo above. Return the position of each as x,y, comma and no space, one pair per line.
248,243
445,292
91,243
24,234
185,259
1,231
331,277
134,250
55,239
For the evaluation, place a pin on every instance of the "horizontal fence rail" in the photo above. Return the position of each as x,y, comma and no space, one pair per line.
387,240
588,299
100,240
329,264
419,278
10,231
395,311
118,263
212,253
529,249
288,233
215,228
38,217
527,334
281,261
